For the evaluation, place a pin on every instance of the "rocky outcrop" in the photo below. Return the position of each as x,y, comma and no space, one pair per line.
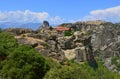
113,64
105,40
52,44
66,42
90,39
18,31
105,36
77,47
44,25
35,43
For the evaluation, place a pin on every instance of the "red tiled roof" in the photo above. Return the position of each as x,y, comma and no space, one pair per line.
60,28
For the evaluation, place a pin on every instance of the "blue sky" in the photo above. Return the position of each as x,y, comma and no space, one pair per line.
59,11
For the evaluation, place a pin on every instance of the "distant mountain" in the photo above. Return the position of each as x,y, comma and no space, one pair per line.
33,26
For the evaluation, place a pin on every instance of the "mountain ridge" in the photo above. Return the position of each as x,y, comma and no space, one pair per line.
33,26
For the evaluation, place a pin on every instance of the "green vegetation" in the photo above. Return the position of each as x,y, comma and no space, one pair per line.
114,61
66,72
51,28
23,35
7,44
83,71
88,33
44,44
0,30
20,62
7,41
68,33
24,62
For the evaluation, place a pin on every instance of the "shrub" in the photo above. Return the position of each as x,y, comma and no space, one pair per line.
23,35
114,61
88,33
81,71
51,28
66,72
24,63
3,53
7,43
68,33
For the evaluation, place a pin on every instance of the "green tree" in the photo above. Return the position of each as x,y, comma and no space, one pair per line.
3,53
7,43
24,63
66,72
68,33
81,71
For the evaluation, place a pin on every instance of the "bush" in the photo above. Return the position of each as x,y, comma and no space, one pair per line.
24,63
81,71
114,61
3,53
88,33
7,43
23,35
68,33
21,61
65,72
51,28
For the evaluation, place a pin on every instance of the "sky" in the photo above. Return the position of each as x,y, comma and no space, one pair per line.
59,11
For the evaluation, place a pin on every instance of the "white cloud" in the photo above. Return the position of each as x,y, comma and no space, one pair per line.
56,20
109,14
28,16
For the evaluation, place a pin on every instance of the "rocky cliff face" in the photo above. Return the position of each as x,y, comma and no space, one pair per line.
105,35
105,40
89,40
18,31
52,44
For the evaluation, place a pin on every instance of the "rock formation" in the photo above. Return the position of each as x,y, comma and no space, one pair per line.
44,25
90,39
18,31
105,36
